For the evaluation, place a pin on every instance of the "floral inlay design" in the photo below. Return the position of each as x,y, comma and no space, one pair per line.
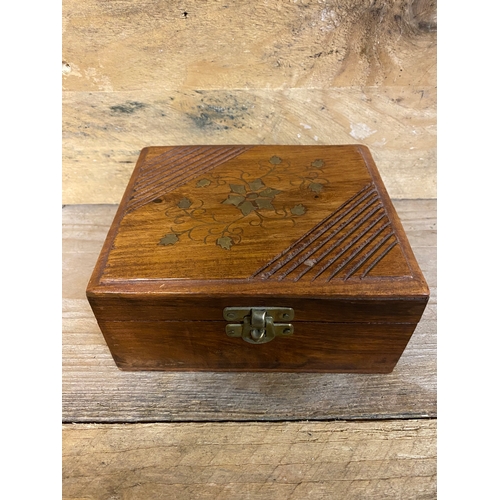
255,202
259,196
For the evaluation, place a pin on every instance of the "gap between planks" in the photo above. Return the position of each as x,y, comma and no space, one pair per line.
398,418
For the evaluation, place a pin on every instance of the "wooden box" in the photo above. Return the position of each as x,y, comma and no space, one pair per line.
257,258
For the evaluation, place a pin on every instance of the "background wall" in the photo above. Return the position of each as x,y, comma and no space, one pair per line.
157,72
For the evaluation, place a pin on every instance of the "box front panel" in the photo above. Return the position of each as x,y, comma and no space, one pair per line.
205,346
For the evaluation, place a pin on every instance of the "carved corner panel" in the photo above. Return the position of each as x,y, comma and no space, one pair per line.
349,242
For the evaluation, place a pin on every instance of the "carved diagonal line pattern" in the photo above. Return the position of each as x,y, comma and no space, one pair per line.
174,168
349,242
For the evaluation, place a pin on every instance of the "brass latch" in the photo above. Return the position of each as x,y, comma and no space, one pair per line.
258,325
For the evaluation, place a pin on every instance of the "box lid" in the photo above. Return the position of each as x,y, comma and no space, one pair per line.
312,222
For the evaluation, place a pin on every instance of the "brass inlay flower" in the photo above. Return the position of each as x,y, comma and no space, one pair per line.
255,196
256,202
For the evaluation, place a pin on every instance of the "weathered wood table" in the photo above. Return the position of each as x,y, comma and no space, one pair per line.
144,435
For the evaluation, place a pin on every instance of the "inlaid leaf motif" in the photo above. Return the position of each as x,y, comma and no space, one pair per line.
225,242
256,185
238,188
255,203
298,209
316,187
184,203
203,183
264,203
269,193
246,207
169,239
233,199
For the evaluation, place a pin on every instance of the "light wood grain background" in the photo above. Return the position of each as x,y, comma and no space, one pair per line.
145,73
261,461
153,72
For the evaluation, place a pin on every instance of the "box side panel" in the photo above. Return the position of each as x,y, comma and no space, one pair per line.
204,346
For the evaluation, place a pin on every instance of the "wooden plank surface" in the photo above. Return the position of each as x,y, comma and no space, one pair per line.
146,44
104,132
94,390
292,460
146,73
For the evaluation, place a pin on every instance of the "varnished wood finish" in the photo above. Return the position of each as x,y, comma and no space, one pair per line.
156,307
321,214
95,390
209,227
203,345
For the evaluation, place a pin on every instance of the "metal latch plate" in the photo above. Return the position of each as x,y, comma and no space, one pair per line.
279,314
257,325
